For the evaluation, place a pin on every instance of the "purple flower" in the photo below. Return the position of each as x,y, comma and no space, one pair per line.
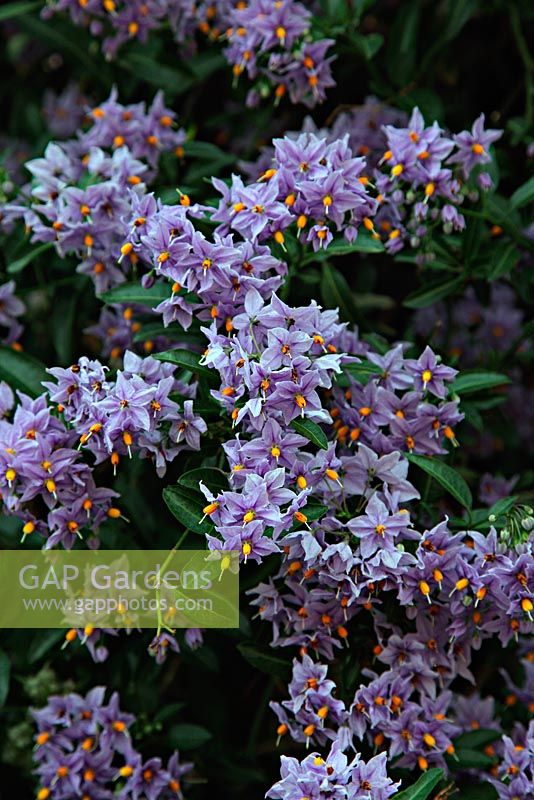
377,529
297,398
429,374
128,404
473,146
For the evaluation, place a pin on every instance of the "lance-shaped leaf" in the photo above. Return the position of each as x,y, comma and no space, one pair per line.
421,788
5,673
214,479
136,294
22,371
444,475
187,506
21,263
432,292
469,382
312,431
363,244
185,359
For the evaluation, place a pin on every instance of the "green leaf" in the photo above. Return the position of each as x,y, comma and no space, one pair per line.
459,16
472,239
174,332
185,359
5,672
363,371
310,429
421,789
502,261
368,45
11,10
63,318
214,479
205,64
206,151
336,293
210,160
377,342
473,739
187,506
473,416
502,506
428,102
432,292
444,475
470,759
523,195
175,81
264,659
401,53
27,258
339,247
42,642
134,293
168,711
187,737
369,300
22,371
315,511
469,382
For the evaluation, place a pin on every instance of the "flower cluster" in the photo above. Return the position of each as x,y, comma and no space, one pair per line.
85,188
134,412
334,776
316,186
217,273
312,711
272,365
420,190
514,775
42,452
458,590
271,369
379,416
419,179
38,462
272,43
364,125
83,748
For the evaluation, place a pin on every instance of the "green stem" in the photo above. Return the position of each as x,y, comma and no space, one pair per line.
161,623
